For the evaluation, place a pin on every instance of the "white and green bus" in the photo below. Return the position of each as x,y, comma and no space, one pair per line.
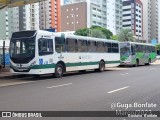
134,54
42,52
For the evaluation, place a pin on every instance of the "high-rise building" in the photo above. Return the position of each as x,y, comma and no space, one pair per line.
158,20
154,19
29,19
133,17
72,15
3,23
50,14
150,19
107,14
114,15
9,23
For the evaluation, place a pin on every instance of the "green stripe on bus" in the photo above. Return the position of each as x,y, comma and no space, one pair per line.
71,64
81,64
43,66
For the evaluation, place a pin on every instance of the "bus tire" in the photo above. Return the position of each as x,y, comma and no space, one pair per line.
101,66
82,71
36,76
149,61
59,70
137,63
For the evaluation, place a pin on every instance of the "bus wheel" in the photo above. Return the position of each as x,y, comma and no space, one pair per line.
59,70
149,62
101,66
36,76
137,63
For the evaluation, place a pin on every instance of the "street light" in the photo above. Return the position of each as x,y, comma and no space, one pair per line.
74,21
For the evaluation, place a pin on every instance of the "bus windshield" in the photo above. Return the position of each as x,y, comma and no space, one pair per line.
22,50
125,49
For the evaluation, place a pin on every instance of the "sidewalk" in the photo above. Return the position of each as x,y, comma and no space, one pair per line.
157,62
4,72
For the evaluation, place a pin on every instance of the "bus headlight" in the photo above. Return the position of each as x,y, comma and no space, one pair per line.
33,63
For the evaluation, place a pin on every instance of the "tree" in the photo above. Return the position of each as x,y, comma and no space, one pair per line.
125,35
105,31
82,32
94,31
97,34
114,37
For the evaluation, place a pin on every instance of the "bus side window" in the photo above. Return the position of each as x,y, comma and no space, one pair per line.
153,49
147,49
133,49
115,48
92,46
150,49
59,44
108,47
82,46
71,45
100,47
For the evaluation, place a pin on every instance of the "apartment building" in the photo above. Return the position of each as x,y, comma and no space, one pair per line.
29,19
50,14
133,17
150,19
74,16
9,23
104,13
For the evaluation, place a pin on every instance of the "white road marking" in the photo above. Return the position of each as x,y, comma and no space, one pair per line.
153,68
16,83
60,85
124,74
118,89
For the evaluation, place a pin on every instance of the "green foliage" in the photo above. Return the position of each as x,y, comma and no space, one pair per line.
95,31
82,32
125,35
114,37
97,34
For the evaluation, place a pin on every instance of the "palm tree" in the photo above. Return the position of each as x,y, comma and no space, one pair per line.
125,35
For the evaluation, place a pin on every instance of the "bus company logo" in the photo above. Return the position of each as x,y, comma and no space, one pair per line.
6,114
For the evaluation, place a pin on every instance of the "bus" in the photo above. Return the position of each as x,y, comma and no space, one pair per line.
134,54
42,52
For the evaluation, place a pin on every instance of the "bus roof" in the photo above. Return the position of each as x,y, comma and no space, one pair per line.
42,32
138,43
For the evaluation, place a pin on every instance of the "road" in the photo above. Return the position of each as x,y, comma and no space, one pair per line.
90,91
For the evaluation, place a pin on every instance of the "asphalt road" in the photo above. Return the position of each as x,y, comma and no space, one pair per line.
108,91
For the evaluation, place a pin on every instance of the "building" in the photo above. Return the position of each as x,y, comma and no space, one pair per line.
159,20
9,23
107,14
150,19
133,17
72,15
50,14
147,20
19,18
3,23
154,19
29,19
114,15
